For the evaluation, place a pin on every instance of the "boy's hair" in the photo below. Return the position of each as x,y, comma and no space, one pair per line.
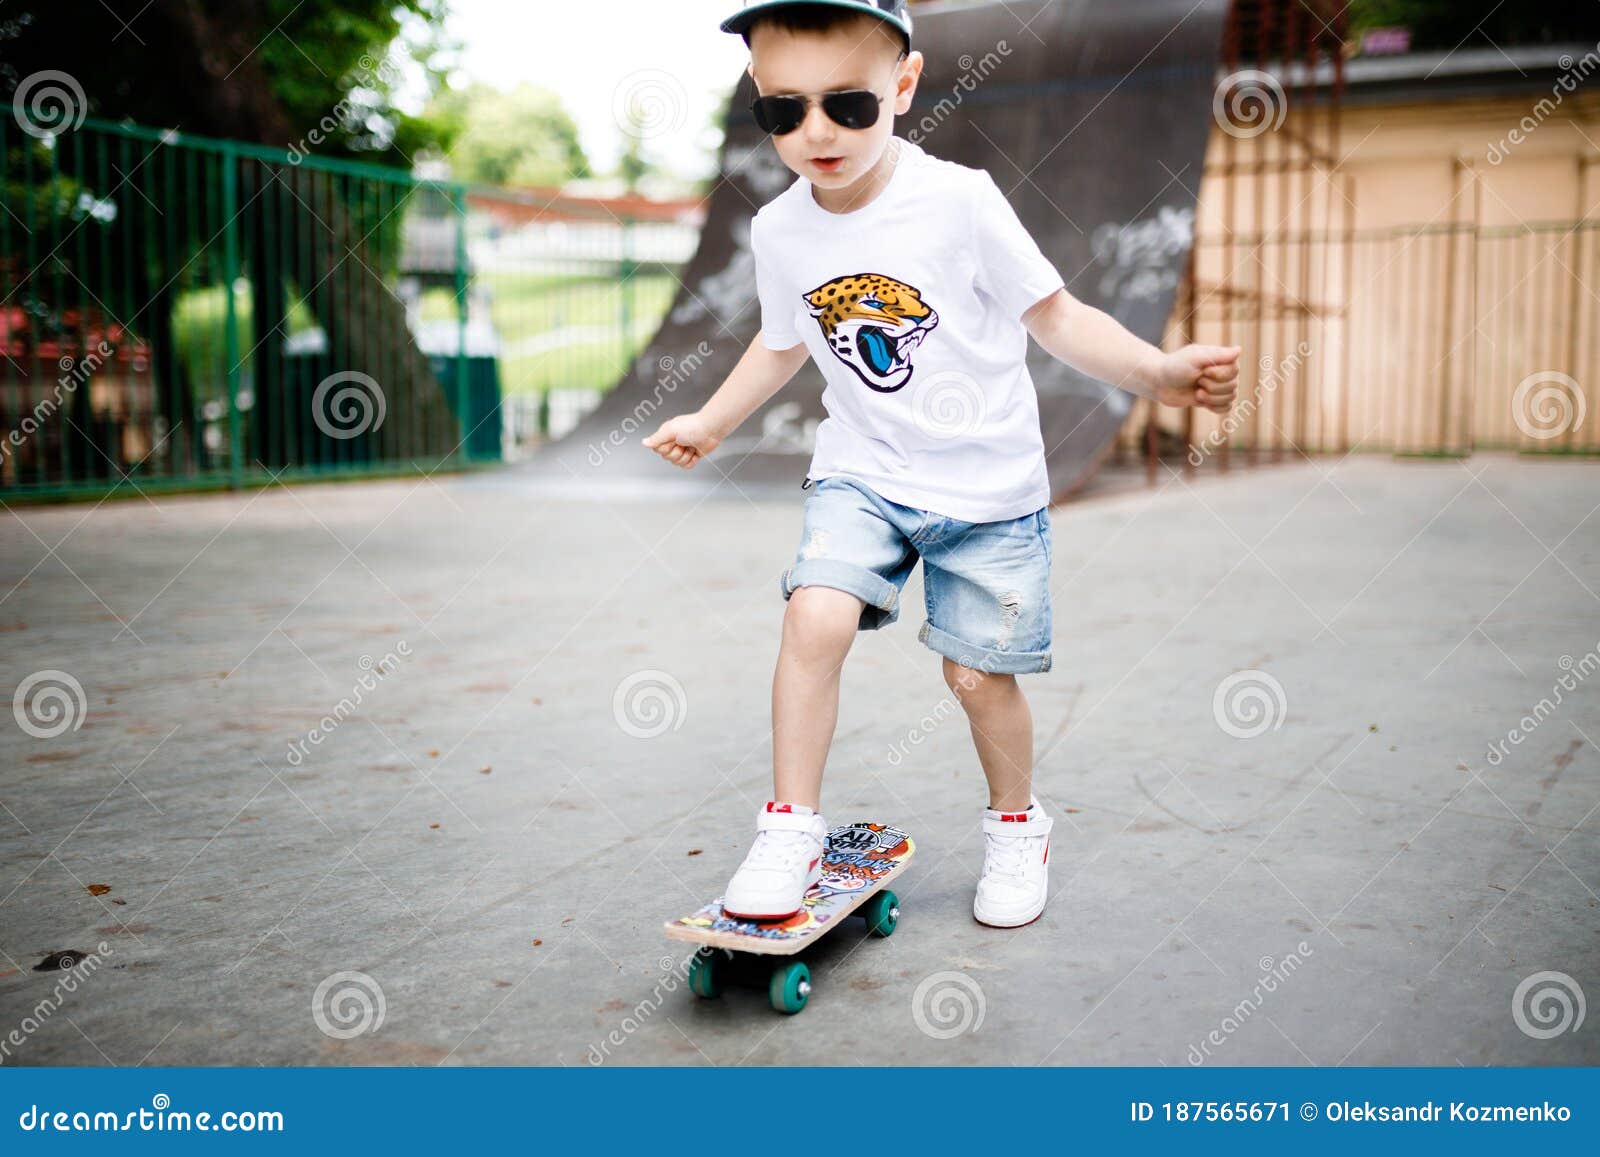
812,18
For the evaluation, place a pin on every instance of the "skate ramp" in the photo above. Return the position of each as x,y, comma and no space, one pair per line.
1092,118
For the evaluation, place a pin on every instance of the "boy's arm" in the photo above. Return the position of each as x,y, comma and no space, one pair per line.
1095,343
761,372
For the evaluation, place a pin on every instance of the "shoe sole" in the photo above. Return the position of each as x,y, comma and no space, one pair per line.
1017,924
1013,923
759,918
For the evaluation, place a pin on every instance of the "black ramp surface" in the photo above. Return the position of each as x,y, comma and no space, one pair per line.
1091,116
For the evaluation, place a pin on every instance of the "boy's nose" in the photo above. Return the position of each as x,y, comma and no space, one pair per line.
817,125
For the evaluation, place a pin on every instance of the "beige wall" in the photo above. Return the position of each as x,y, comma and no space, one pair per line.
1438,270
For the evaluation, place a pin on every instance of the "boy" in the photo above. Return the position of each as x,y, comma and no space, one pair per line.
914,286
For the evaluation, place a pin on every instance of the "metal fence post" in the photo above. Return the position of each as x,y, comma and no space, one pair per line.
458,200
629,268
230,274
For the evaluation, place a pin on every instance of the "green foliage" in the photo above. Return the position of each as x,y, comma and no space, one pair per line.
354,63
633,164
364,67
522,137
1445,24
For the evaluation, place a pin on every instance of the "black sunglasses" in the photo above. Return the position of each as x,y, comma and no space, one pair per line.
851,108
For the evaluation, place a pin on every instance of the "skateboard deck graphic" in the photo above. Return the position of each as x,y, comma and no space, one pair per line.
859,859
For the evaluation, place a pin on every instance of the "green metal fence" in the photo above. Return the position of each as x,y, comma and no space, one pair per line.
186,312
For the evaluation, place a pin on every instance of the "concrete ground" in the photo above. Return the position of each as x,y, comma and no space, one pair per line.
471,865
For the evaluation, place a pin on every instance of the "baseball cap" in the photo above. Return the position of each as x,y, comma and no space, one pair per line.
891,12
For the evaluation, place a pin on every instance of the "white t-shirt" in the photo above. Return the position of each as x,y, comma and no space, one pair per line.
911,306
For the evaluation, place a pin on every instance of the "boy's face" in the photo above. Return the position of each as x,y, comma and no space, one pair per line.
862,54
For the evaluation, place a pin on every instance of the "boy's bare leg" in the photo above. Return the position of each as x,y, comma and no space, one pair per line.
819,625
1002,731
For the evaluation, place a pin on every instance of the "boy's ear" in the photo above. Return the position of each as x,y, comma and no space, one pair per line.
906,85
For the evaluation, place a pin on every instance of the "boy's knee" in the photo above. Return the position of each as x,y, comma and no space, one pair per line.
821,621
976,688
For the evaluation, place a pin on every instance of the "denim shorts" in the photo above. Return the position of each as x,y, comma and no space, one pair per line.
986,584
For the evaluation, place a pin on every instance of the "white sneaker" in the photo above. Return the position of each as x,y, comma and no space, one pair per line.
1016,876
783,863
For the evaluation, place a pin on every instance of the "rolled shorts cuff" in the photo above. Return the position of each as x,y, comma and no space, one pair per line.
983,658
881,596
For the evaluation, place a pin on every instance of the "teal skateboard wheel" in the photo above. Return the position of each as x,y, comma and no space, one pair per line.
790,987
882,913
703,979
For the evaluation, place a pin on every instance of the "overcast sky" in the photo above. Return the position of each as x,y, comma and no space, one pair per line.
668,55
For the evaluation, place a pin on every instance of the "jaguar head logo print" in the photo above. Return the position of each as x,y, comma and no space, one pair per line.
873,324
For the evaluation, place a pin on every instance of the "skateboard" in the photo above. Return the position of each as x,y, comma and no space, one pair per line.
857,863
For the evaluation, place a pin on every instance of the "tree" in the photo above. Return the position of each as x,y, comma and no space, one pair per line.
265,71
633,164
521,137
269,72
